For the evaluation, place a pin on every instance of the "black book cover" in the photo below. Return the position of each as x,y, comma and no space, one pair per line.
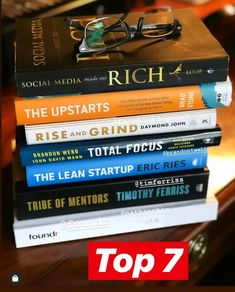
47,65
79,150
108,194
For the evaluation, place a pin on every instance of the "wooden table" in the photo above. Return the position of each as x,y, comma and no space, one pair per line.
202,10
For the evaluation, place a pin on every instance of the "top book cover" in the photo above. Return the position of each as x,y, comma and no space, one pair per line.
46,63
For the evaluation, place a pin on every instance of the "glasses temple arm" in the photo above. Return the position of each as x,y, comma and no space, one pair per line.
72,23
123,17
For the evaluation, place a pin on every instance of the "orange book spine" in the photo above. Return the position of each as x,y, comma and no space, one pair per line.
106,105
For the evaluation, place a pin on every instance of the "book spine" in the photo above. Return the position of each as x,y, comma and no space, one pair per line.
114,167
122,78
145,190
68,151
121,127
108,222
123,103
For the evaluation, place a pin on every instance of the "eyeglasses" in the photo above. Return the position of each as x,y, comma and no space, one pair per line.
109,32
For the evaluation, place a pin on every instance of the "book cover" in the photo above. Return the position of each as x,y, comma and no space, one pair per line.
55,229
79,150
109,194
116,166
122,103
47,65
120,126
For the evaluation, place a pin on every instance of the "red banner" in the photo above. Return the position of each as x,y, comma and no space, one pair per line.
138,261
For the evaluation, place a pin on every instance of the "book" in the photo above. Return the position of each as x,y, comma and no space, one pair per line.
46,63
116,166
120,126
79,150
109,194
122,103
94,224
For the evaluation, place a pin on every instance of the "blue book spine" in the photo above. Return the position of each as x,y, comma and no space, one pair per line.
114,167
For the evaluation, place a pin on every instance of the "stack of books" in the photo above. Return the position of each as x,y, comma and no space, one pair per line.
115,142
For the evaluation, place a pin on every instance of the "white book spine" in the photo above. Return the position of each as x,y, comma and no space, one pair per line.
101,223
120,127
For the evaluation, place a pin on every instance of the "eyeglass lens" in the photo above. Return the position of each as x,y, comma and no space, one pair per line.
157,24
105,33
